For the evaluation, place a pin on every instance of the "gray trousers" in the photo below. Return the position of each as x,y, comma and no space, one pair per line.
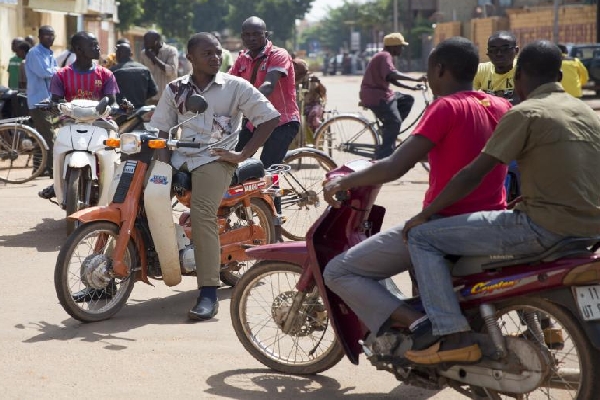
355,275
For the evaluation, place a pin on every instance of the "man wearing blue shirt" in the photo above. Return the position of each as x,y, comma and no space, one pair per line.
40,66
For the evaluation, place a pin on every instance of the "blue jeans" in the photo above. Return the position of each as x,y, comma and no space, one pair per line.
391,114
478,234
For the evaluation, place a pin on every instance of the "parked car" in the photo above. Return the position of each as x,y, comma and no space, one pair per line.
335,64
589,54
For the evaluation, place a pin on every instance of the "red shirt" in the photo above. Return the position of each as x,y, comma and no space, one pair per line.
89,85
460,125
374,86
272,58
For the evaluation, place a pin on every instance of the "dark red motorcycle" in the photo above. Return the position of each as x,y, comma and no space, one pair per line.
537,318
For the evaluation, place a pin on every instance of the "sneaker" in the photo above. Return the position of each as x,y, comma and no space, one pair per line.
47,193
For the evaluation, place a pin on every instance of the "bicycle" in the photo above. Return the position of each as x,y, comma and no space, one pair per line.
349,136
301,200
23,151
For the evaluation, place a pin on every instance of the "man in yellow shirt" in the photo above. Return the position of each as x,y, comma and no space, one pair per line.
574,73
497,76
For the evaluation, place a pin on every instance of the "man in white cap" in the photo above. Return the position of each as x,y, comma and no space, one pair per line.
375,93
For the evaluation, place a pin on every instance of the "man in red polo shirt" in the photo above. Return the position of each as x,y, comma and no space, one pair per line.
452,133
270,69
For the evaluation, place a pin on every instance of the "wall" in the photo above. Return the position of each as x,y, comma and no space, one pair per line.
577,24
461,9
482,29
10,28
446,30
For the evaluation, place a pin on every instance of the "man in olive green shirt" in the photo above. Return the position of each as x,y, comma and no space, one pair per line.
555,139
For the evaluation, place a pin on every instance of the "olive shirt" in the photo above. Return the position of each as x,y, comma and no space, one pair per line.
555,139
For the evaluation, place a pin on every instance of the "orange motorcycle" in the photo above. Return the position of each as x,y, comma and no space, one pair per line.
135,237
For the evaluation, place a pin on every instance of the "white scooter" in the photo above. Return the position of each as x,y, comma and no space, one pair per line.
83,166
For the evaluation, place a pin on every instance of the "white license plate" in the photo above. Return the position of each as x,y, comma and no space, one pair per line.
588,300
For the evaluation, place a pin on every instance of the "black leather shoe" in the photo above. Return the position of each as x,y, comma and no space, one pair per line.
89,294
204,309
47,193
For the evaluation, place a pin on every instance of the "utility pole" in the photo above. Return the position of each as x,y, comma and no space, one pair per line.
555,33
396,15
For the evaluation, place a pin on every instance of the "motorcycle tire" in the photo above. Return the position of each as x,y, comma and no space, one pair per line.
69,268
271,357
573,338
264,213
74,196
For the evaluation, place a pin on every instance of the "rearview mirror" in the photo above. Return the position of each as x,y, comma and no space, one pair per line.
196,103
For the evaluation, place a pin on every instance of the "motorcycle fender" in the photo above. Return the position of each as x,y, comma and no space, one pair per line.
565,298
113,215
157,200
108,161
292,252
80,159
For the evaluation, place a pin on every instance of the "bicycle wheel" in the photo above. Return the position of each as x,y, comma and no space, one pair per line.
347,137
22,153
302,201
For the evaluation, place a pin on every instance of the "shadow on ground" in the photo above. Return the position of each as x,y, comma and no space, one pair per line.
171,310
47,236
263,384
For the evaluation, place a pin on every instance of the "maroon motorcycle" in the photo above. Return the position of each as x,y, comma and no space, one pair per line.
537,318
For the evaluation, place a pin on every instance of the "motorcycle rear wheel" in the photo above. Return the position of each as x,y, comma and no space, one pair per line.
311,349
91,240
262,216
573,366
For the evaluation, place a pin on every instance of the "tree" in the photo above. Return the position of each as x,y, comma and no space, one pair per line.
209,15
130,13
173,17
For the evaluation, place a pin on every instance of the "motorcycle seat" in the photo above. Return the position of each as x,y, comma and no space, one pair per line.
7,93
252,168
568,247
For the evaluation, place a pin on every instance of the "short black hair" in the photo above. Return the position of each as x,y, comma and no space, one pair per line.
541,59
79,39
504,35
197,38
459,55
563,48
24,46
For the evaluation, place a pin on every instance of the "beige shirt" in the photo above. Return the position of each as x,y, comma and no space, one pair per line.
228,97
170,56
555,139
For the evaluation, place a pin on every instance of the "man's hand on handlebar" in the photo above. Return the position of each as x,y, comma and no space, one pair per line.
330,189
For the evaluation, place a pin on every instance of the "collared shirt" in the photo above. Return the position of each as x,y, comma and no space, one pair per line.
575,75
228,97
555,139
135,82
272,58
375,87
168,55
40,66
487,80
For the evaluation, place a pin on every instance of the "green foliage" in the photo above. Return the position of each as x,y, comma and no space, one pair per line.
130,13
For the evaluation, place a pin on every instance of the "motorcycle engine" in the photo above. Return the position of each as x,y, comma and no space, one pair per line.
187,260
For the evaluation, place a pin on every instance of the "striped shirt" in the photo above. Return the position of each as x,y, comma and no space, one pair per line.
94,84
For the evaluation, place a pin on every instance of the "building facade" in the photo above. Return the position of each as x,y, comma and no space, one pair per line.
24,17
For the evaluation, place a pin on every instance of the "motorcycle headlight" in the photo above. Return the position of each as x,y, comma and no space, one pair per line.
130,143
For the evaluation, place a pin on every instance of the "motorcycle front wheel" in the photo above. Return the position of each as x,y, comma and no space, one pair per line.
573,360
82,276
260,308
75,195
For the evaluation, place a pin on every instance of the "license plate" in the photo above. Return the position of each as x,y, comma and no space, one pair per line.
588,300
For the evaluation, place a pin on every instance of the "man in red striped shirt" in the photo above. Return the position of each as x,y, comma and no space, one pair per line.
84,79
